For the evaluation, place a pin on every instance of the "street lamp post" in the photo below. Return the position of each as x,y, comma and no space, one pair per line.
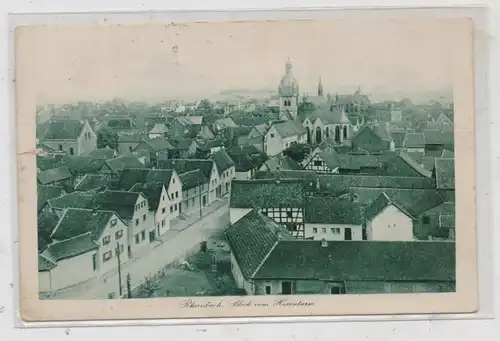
118,253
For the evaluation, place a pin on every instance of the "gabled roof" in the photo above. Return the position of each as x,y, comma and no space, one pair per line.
192,179
289,128
159,128
358,161
225,122
281,162
131,137
185,165
183,144
152,192
76,221
379,204
74,200
261,128
70,247
125,161
242,150
414,140
159,144
435,137
222,160
327,116
445,173
53,175
45,193
45,264
49,162
330,157
102,153
416,166
93,181
252,238
131,176
398,138
63,129
360,261
320,210
121,202
124,123
266,194
83,164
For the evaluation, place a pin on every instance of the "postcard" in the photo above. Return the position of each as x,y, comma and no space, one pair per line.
246,169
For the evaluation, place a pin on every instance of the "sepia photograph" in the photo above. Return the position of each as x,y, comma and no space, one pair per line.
254,165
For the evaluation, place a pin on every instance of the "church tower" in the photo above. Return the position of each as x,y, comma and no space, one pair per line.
289,94
320,88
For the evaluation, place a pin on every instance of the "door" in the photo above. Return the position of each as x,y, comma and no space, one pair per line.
94,261
286,288
151,236
347,233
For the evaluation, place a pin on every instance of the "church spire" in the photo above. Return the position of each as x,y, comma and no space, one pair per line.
320,88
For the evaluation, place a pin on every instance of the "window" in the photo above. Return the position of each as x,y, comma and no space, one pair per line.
268,290
106,256
163,198
175,207
118,234
114,222
171,209
60,147
143,217
323,230
315,230
163,222
129,148
163,210
335,230
71,151
186,203
137,238
173,180
136,221
119,250
337,288
192,201
289,214
272,135
106,240
143,235
177,194
318,163
426,219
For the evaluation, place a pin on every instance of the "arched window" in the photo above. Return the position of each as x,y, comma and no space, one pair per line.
318,135
337,133
345,132
71,151
308,130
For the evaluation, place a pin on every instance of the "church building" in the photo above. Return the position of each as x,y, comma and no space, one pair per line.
288,94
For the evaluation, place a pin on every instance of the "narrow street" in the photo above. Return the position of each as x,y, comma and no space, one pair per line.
176,246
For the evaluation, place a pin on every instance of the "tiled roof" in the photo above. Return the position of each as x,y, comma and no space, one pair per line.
185,165
102,153
415,165
320,210
49,162
289,128
261,128
131,137
159,144
445,173
152,192
121,123
131,176
398,138
379,204
45,193
183,144
76,221
328,116
121,202
159,128
281,162
242,150
266,194
45,264
125,161
416,156
222,160
70,247
226,122
252,238
330,157
63,129
414,140
83,164
358,161
360,261
192,179
74,200
447,154
93,181
52,175
160,175
439,137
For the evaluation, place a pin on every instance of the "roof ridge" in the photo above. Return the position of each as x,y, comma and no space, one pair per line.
265,258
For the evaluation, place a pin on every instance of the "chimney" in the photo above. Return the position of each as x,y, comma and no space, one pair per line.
324,242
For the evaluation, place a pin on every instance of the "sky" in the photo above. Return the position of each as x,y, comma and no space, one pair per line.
156,62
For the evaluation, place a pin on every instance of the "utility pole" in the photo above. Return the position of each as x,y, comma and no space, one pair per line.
200,190
129,286
118,253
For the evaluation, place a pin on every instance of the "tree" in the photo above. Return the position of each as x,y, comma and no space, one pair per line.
149,288
297,152
205,106
107,137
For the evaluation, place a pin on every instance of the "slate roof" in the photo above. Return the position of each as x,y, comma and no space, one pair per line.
445,173
328,116
414,140
321,210
45,193
53,175
83,164
192,179
152,192
222,160
125,161
63,129
185,165
76,221
289,128
252,238
93,181
266,194
70,247
360,261
120,202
